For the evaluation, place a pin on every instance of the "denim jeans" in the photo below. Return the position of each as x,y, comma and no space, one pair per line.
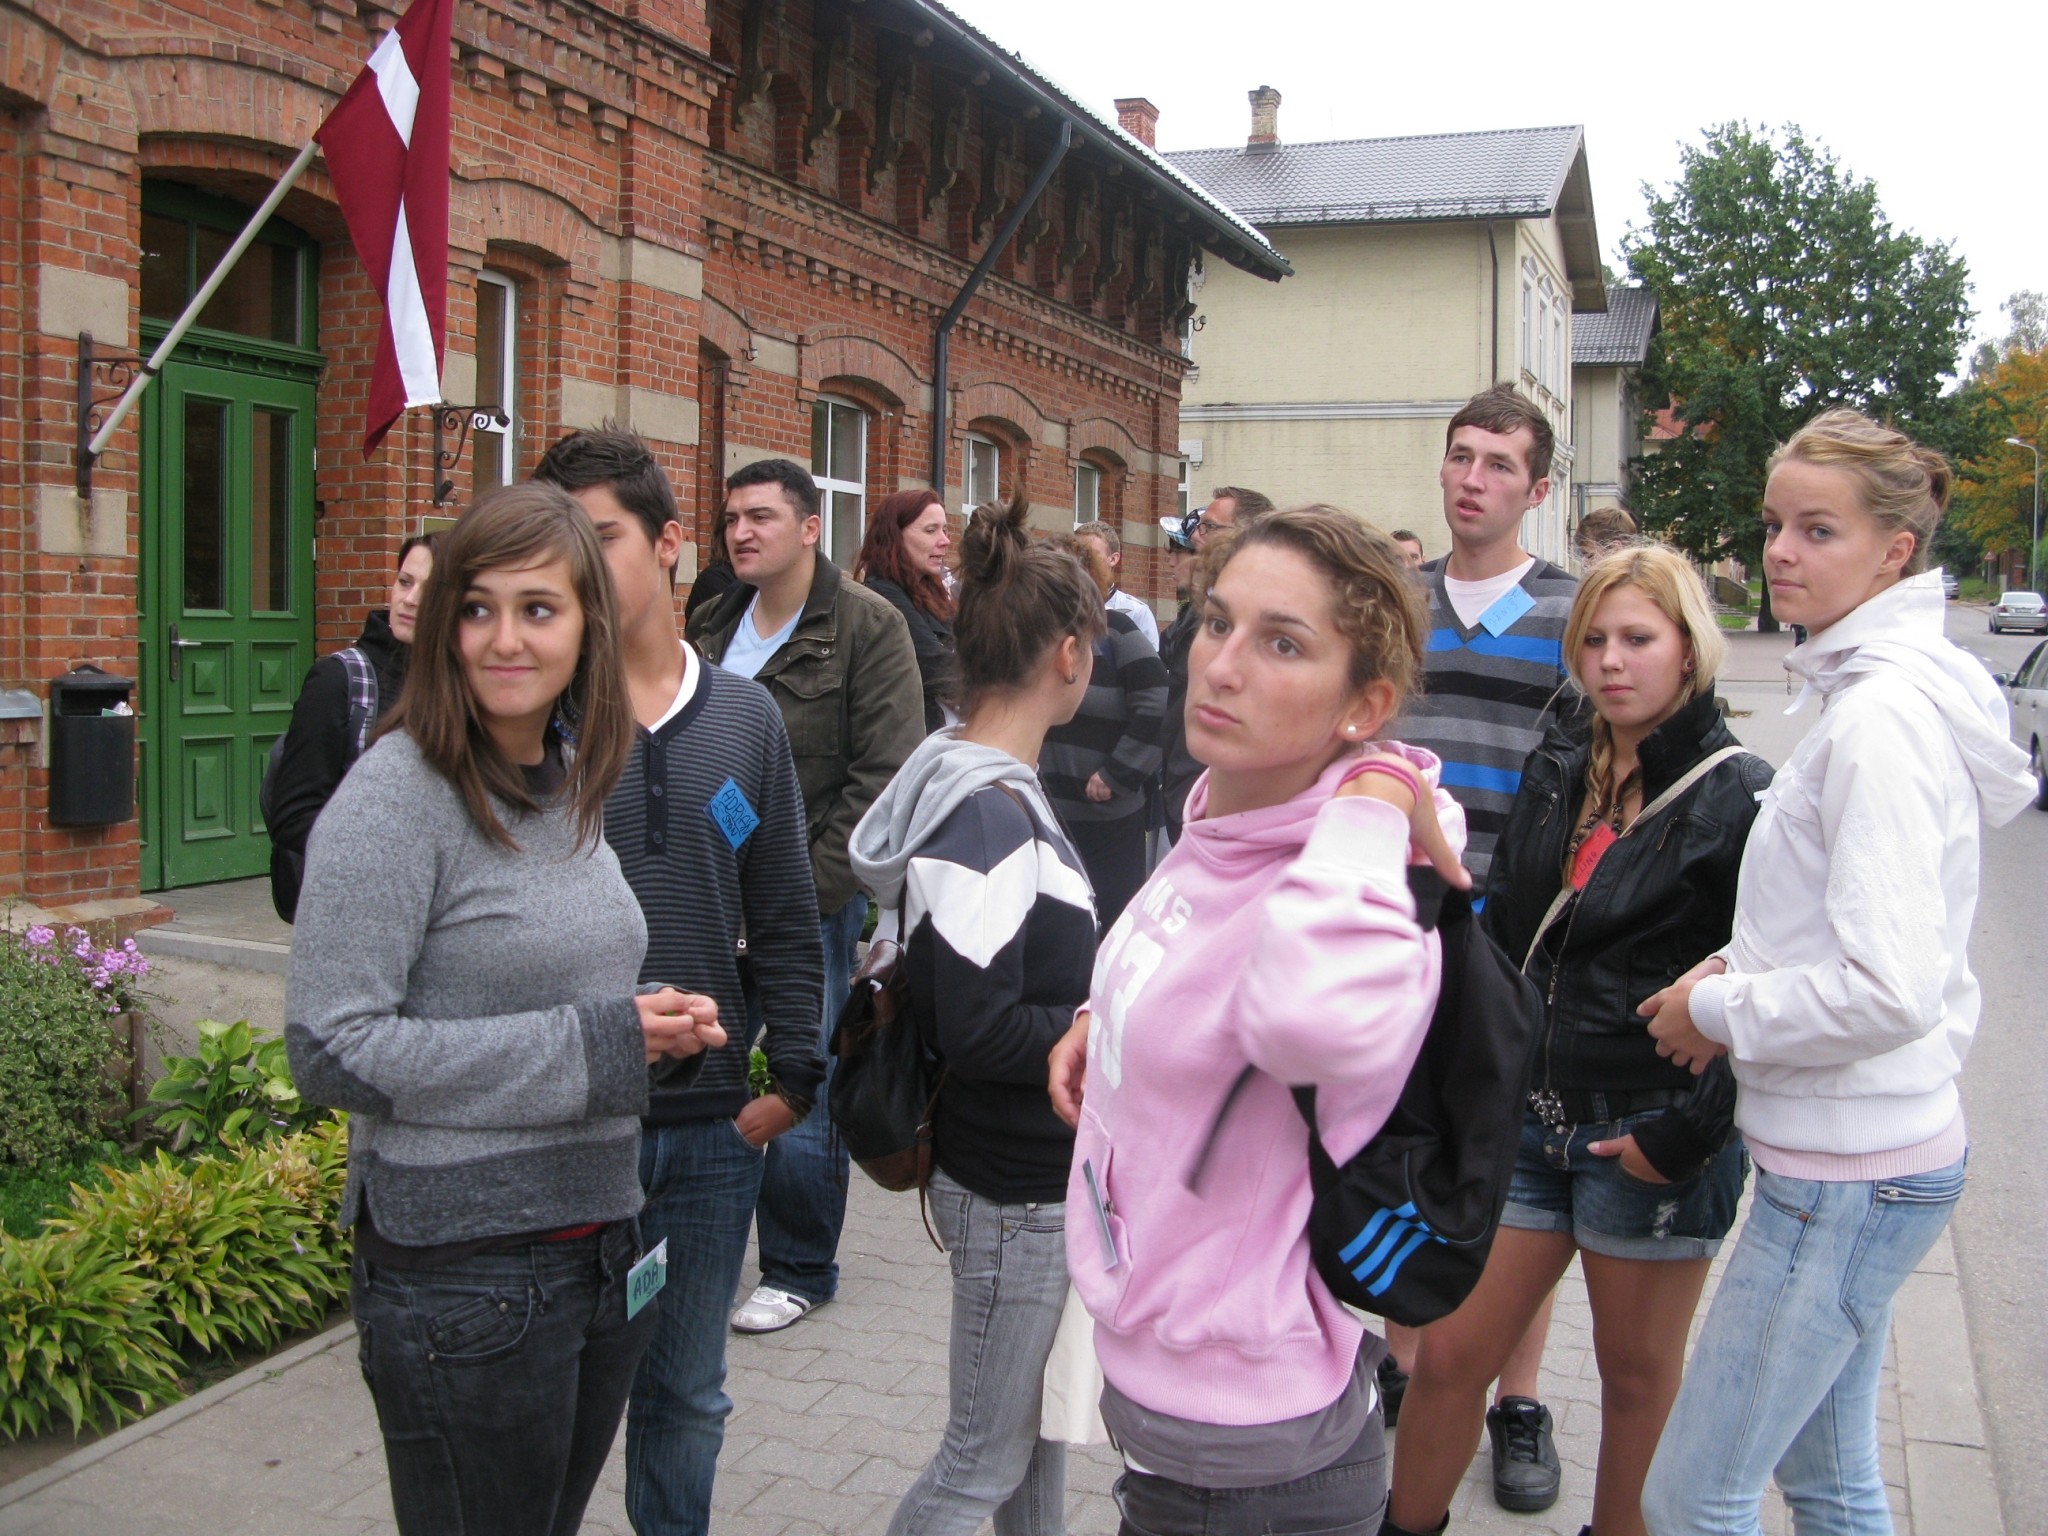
1009,1287
499,1380
1784,1378
803,1186
701,1179
1348,1499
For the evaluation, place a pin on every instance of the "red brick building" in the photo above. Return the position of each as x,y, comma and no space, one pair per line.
734,226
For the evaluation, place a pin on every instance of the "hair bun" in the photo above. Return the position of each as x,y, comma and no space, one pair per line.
991,541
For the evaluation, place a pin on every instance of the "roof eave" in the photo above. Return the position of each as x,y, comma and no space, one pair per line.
1253,255
1577,232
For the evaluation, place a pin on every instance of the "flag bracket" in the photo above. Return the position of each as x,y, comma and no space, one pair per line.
461,420
103,378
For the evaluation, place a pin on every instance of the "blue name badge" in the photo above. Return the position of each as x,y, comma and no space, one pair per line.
646,1278
1507,608
732,815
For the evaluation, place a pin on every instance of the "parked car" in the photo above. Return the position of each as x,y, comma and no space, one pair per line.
1950,587
2027,692
2020,610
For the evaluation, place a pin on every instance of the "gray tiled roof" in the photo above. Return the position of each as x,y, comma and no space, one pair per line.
1507,174
1619,338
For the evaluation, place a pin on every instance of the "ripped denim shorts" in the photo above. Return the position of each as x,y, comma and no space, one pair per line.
1559,1186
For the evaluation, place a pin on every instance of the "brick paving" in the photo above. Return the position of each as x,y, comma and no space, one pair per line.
833,1419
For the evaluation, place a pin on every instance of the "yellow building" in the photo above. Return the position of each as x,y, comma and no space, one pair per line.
1426,269
1608,351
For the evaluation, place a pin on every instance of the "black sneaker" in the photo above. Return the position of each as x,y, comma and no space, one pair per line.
1525,1470
1393,1387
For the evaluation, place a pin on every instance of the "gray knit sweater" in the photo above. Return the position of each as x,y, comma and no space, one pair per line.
470,1007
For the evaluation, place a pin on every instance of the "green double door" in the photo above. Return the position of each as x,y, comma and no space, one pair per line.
226,607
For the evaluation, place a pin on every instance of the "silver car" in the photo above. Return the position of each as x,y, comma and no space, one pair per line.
2020,610
2027,692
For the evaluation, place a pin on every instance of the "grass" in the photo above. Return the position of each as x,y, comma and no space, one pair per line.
1733,620
28,1195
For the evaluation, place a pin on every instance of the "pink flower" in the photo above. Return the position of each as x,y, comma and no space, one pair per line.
40,936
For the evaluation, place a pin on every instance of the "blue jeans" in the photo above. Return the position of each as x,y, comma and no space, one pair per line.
1559,1186
1009,1287
803,1187
701,1179
1784,1378
1348,1499
499,1380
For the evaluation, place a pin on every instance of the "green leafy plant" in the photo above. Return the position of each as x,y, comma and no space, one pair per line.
79,1342
759,1079
29,1195
57,992
238,1088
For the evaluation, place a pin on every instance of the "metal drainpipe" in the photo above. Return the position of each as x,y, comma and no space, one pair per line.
940,354
1493,247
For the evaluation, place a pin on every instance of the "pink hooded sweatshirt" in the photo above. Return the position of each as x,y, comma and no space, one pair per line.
1284,938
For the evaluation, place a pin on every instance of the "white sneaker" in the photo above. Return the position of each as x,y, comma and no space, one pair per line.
768,1310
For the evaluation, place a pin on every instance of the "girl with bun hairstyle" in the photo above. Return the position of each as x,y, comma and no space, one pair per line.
903,558
1844,999
999,929
1278,934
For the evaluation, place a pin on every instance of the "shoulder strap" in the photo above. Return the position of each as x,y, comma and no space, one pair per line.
362,698
1672,793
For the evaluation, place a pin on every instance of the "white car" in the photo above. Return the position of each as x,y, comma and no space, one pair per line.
2020,610
2027,692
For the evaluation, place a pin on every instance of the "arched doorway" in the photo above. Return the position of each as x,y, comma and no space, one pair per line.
227,499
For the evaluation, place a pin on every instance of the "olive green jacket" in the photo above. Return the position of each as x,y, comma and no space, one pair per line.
851,698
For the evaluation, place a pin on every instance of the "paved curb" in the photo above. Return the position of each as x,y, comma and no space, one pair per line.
176,1413
1951,1483
247,954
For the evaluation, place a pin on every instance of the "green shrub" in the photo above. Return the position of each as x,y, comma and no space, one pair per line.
57,1097
28,1195
237,1089
79,1343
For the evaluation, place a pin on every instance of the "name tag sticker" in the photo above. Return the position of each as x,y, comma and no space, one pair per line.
646,1278
1101,1207
730,812
1507,608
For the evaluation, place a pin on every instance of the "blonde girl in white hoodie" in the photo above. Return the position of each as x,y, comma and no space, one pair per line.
1844,999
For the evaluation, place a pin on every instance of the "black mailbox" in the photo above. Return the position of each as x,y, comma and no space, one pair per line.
92,748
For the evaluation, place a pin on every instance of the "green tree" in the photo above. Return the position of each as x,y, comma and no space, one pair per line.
1784,290
1994,497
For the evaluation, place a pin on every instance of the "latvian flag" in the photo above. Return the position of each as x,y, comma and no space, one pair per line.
386,143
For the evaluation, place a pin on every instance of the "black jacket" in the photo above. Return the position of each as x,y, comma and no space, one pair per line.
318,751
1178,771
932,639
1660,901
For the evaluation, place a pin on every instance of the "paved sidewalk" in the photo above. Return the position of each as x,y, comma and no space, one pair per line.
835,1417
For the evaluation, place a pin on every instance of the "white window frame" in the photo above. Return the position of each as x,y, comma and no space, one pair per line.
1528,325
975,493
1185,490
834,405
503,292
1089,475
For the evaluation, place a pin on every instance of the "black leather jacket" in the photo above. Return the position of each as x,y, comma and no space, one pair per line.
1660,901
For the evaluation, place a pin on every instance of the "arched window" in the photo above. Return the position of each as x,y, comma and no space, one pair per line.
984,471
492,457
839,463
1087,492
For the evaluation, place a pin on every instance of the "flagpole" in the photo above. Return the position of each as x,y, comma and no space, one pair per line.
200,299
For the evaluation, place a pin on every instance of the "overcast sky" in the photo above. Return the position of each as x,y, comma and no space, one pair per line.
1909,97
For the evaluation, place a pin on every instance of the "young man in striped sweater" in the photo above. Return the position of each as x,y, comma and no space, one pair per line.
1493,672
708,826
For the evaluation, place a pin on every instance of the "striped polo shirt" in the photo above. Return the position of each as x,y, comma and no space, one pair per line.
1485,695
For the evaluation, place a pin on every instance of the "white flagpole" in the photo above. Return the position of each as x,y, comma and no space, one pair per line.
206,291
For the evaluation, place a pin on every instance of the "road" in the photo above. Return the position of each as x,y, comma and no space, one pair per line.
2001,1226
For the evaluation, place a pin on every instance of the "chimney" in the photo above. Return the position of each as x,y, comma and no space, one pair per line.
1139,118
1265,119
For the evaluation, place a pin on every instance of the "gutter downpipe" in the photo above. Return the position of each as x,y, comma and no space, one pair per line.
940,342
1493,248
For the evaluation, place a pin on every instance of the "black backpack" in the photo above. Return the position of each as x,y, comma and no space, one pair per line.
1403,1229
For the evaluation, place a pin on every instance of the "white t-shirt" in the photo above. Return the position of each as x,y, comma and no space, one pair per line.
1470,599
693,674
1139,612
748,650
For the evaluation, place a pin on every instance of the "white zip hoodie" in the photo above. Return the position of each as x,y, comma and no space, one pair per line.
1849,1004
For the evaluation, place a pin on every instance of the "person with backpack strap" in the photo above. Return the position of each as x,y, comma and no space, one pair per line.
999,929
1614,873
1280,934
344,695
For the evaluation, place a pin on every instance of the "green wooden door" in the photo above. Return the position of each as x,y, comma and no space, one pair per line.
227,609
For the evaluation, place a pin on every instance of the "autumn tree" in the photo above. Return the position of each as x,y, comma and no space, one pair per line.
1783,290
1994,499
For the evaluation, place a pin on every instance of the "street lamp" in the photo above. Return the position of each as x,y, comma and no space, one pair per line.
2033,548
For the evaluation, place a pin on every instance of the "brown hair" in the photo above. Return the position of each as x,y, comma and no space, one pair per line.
1245,505
515,528
1098,529
1602,529
881,551
1019,597
1093,561
1375,600
1506,410
1903,484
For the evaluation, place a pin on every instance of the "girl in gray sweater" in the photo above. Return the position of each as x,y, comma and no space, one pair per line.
463,984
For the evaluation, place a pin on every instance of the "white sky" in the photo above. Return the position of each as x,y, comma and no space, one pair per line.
1941,106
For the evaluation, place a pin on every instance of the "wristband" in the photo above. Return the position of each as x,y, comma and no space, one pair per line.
798,1105
1392,770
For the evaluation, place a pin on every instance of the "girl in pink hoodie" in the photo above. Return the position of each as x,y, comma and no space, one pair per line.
1279,933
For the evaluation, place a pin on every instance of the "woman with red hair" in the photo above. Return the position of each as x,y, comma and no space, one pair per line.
903,558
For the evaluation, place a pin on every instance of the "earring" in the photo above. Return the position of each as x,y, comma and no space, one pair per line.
1351,731
1069,678
1689,665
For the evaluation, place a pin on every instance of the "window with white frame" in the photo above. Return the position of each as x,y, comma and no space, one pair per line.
1186,490
1528,319
984,471
1557,353
492,461
839,463
1087,493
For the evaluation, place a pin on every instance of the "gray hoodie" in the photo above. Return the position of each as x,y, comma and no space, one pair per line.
942,772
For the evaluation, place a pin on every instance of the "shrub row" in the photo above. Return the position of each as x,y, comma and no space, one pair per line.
104,1312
